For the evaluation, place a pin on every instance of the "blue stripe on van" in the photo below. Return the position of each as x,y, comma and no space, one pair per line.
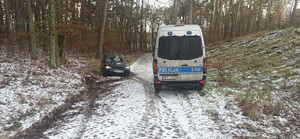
176,70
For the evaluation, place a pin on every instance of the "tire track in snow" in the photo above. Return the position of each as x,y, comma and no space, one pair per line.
185,116
159,120
190,113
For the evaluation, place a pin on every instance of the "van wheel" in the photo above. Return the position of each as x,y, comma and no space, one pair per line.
157,87
199,87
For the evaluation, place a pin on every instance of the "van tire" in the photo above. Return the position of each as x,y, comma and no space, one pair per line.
199,87
157,87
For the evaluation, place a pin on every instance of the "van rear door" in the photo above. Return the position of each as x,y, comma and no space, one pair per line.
180,58
191,56
168,63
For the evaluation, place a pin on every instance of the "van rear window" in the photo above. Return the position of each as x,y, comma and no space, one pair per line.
180,47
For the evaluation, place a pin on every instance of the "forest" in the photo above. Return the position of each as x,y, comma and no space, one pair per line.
53,84
96,27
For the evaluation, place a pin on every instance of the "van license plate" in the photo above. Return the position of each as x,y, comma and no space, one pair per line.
169,77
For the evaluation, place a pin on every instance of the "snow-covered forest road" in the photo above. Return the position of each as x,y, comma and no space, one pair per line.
134,110
128,107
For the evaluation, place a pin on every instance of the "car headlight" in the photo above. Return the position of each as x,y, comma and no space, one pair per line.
127,67
107,67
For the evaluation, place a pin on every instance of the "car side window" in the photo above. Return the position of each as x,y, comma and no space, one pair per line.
108,59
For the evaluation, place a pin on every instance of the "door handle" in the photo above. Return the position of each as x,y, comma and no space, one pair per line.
184,65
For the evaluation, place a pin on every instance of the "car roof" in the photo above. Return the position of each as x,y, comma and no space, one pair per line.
111,55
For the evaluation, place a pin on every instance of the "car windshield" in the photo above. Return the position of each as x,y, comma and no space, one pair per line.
180,47
114,58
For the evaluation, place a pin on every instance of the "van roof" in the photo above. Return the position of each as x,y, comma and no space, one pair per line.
179,27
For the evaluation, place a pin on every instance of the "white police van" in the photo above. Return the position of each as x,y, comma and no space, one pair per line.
179,56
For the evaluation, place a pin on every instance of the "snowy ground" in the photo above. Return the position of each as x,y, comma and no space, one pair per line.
62,103
30,90
133,110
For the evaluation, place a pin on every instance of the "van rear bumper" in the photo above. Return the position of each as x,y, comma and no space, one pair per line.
196,82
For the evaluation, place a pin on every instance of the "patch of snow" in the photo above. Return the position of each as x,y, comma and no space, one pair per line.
30,90
119,113
143,67
297,71
71,130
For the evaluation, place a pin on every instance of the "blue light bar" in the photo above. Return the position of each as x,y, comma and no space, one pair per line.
189,32
170,33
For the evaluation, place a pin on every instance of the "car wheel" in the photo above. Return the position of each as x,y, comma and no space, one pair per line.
104,73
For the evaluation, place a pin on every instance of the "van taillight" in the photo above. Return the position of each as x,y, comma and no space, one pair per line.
204,66
154,66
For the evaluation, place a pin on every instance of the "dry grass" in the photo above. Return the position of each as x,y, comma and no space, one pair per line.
21,98
93,68
95,63
133,57
43,102
254,105
247,37
252,65
5,135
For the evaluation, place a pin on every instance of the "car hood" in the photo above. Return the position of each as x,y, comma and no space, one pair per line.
117,64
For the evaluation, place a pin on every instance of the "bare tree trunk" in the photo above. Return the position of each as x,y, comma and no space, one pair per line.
212,23
18,21
259,16
1,24
251,18
175,12
44,26
232,26
124,27
53,61
131,28
32,38
102,29
238,19
7,21
225,21
190,11
141,27
228,22
268,15
152,31
220,21
280,14
145,31
293,13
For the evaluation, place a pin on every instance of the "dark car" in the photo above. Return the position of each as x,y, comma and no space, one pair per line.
115,65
